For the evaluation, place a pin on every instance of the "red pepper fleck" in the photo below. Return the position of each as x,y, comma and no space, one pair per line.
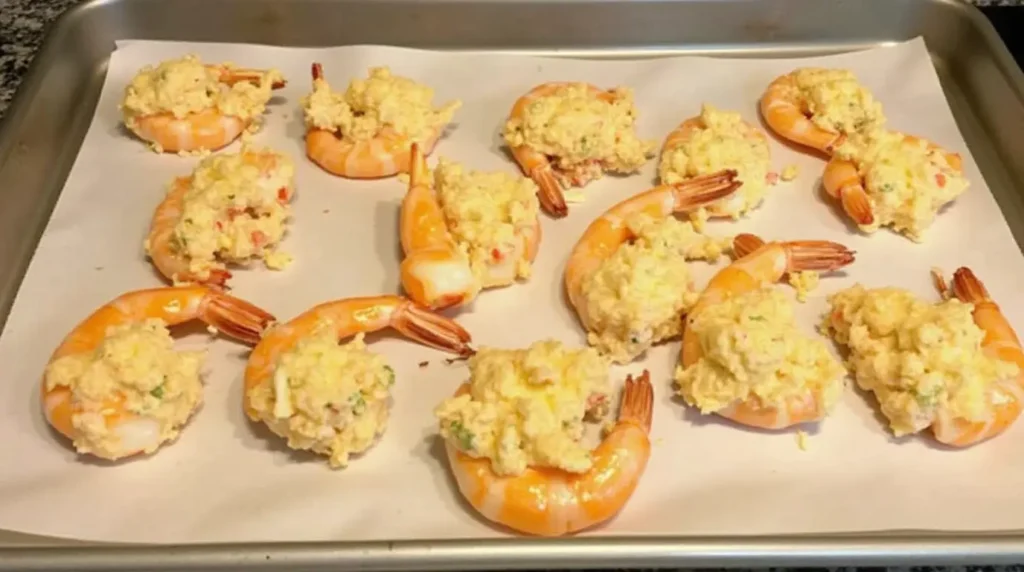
258,237
940,179
219,225
496,254
772,178
282,194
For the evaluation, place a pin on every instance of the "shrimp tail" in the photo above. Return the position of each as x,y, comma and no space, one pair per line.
432,329
856,204
706,189
551,197
549,190
638,402
744,244
236,317
231,76
842,180
967,287
817,255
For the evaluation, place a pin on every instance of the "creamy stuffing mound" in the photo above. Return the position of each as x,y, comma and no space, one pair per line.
723,141
488,214
836,101
920,359
752,350
235,210
135,369
382,101
585,134
635,298
185,85
329,398
906,180
526,408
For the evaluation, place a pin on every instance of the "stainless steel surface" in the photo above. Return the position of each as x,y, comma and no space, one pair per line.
44,127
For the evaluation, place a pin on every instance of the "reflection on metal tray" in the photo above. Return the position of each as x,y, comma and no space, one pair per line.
45,125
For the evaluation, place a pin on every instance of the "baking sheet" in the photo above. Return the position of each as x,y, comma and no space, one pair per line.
228,480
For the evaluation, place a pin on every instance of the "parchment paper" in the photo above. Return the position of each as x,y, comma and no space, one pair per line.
228,480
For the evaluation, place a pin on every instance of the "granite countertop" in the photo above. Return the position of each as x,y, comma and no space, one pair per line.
23,24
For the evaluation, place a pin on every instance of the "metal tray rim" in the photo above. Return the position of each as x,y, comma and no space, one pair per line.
874,548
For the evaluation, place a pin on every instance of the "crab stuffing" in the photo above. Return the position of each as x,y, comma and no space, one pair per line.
526,408
330,398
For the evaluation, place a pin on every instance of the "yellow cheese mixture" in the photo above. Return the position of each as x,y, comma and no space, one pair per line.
918,358
381,101
636,297
137,366
582,133
526,408
907,183
235,209
724,142
836,101
804,282
183,86
752,349
487,212
330,398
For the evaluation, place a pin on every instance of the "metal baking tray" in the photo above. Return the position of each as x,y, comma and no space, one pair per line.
47,121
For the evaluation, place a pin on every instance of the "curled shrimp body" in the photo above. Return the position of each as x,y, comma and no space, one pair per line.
170,129
551,502
113,422
435,271
322,424
872,184
612,230
819,108
759,265
954,367
553,178
242,199
1002,343
384,155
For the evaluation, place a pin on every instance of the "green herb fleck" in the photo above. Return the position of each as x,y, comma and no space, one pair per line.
158,392
462,435
358,402
887,188
756,318
391,375
926,399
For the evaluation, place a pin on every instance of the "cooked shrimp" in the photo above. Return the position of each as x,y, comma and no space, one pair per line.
333,399
751,274
438,271
366,133
896,179
820,108
115,386
716,140
626,336
1000,343
585,130
184,105
552,502
233,207
348,317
